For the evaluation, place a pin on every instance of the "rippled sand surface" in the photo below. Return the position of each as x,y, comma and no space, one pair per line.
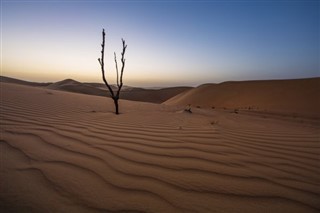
65,152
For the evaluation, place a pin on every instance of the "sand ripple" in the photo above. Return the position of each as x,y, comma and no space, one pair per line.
56,153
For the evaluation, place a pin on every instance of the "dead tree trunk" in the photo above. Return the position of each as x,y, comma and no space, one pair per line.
116,104
114,96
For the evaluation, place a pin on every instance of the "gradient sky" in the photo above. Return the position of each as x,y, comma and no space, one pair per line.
169,42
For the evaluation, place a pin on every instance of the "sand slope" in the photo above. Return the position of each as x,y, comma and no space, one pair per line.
289,96
65,152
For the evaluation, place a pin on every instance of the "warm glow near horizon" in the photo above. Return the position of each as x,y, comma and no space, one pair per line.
169,43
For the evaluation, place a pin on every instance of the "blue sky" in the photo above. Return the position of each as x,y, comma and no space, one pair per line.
169,42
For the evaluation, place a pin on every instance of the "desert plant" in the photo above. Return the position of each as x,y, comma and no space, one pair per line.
114,95
188,108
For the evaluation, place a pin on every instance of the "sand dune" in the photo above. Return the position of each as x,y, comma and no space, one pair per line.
68,152
98,89
152,95
77,87
5,79
286,96
127,92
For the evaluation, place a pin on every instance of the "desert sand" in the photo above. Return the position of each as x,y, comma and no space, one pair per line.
298,96
68,152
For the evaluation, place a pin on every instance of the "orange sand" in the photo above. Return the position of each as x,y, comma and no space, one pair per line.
67,152
300,96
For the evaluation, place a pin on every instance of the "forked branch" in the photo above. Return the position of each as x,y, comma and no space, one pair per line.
115,60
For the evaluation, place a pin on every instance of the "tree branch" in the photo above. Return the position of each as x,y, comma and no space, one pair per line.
101,61
115,60
123,61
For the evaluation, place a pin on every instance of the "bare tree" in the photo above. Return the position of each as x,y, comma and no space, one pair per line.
114,95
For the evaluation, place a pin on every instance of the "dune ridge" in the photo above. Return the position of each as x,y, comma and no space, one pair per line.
69,152
296,96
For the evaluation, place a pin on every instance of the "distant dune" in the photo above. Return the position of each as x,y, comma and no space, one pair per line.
289,96
77,87
98,89
152,95
127,92
68,152
21,82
